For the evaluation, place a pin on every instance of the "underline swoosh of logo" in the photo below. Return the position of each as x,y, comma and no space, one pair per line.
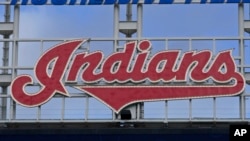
118,97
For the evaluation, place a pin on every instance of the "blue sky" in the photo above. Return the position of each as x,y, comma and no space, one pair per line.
167,21
176,20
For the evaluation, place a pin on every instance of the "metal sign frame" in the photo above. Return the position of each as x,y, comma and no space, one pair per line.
9,109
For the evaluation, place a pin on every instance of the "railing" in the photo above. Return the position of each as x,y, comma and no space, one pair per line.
80,107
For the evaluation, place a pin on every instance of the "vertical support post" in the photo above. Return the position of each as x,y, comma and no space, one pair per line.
38,113
190,109
116,25
139,20
6,45
190,44
15,54
214,46
116,36
139,35
138,116
129,17
166,111
214,108
166,44
242,50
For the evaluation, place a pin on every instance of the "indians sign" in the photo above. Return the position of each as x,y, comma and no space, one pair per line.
164,75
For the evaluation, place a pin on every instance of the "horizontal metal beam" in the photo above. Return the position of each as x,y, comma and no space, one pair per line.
176,120
111,2
125,39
